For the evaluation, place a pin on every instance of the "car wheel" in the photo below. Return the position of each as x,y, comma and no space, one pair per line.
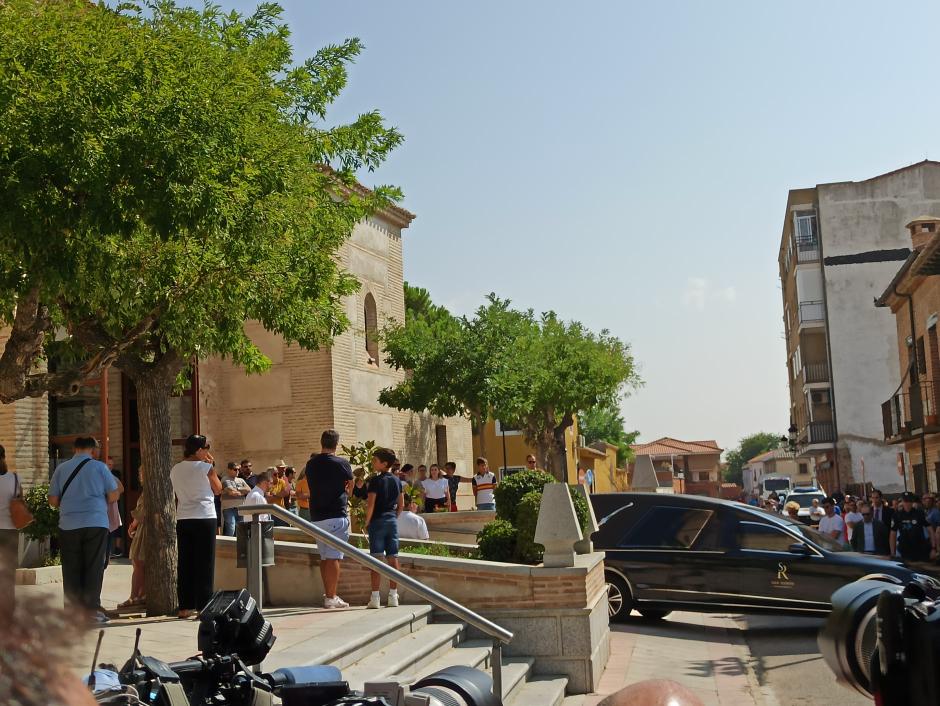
619,598
653,614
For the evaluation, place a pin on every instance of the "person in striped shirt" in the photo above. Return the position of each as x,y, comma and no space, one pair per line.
484,483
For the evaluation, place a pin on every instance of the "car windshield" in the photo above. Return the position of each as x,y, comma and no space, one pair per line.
827,543
776,484
803,499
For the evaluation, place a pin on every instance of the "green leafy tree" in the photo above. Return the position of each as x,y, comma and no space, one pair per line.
459,366
418,304
604,422
566,368
166,173
749,447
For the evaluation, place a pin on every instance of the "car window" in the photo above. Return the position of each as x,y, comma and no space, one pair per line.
804,499
828,543
763,537
667,528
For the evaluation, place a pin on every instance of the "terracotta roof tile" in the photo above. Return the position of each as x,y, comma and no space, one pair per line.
667,446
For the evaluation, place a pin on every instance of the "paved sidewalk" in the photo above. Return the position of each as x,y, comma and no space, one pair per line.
705,653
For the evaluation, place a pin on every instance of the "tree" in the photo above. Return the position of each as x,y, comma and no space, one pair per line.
166,175
566,368
457,366
749,447
418,304
604,422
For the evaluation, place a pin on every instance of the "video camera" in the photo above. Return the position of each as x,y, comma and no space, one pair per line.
883,640
233,635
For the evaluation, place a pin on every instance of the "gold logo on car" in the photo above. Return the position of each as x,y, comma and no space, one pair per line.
782,572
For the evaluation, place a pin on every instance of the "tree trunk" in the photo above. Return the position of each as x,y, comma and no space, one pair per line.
154,383
476,427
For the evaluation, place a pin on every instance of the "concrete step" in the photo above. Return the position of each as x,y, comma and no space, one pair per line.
516,670
542,691
407,655
357,633
470,653
577,700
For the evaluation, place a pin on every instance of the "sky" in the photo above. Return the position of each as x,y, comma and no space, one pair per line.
626,164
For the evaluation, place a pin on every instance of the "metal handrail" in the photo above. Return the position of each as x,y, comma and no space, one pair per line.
499,634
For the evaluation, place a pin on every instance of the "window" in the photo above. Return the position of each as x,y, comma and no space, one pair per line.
372,329
921,356
804,468
804,227
757,536
440,434
667,528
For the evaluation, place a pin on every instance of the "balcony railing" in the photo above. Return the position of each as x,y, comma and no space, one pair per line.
820,433
811,312
815,372
909,410
807,250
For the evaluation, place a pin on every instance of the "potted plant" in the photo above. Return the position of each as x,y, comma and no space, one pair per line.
42,529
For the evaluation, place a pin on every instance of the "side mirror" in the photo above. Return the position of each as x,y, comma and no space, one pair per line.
800,549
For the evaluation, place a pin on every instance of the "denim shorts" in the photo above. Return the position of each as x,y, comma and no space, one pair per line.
339,528
383,536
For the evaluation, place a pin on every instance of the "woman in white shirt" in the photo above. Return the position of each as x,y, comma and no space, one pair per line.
9,537
196,484
436,490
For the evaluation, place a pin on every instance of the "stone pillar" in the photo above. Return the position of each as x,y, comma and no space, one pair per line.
586,546
557,529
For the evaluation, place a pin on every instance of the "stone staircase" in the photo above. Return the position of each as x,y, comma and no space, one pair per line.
408,643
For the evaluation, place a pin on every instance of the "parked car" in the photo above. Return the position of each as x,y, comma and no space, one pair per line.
804,498
682,552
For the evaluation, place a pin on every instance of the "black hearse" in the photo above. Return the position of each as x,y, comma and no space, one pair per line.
685,552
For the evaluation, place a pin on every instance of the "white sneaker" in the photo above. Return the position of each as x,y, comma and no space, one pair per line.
375,601
393,599
335,602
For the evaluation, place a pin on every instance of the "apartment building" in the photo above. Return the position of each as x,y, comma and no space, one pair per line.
841,244
909,415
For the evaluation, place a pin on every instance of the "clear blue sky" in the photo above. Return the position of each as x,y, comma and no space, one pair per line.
627,164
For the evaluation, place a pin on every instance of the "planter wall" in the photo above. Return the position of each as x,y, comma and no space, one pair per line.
559,615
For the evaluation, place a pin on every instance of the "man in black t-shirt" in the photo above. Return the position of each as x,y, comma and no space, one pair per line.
330,479
908,531
454,481
385,504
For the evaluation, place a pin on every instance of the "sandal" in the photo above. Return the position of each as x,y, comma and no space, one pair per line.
129,603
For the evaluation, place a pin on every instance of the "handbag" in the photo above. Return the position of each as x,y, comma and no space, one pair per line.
19,510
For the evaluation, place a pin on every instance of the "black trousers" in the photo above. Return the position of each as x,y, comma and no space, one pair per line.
195,567
83,551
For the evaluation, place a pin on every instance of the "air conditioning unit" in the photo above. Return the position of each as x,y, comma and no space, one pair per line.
820,397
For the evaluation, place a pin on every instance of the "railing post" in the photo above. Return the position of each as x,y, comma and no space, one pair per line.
255,585
496,658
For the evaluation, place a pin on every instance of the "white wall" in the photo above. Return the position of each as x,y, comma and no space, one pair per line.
858,218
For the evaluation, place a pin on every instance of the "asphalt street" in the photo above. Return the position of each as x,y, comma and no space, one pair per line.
786,661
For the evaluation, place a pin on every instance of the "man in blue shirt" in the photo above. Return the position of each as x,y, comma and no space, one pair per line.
81,488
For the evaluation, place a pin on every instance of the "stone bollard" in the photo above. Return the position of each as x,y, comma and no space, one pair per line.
586,546
557,529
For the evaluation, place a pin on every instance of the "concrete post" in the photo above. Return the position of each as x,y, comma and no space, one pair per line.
557,529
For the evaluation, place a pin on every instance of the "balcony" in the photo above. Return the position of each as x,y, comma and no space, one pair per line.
819,433
815,373
910,412
812,313
807,250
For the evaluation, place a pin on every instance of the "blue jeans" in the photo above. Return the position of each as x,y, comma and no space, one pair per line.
486,506
383,536
229,520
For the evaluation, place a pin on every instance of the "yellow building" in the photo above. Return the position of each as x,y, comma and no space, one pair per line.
505,448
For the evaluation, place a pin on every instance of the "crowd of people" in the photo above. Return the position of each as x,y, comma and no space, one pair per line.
208,499
907,527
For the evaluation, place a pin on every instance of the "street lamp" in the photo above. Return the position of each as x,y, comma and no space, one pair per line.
790,439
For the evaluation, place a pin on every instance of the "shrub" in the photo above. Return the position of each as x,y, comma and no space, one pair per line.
435,549
46,518
497,541
580,508
509,492
527,517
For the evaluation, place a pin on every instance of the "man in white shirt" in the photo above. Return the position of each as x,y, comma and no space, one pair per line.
257,496
851,515
410,524
831,524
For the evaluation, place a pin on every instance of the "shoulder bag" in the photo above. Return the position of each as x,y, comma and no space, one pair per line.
19,510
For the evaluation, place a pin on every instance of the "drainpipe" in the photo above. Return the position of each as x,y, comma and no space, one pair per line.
923,442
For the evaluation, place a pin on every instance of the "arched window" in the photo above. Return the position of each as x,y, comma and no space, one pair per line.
372,329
